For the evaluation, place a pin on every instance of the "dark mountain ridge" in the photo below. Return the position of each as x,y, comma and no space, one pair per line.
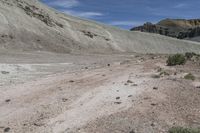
177,28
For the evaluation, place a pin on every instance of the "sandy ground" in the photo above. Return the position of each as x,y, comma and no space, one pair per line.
51,93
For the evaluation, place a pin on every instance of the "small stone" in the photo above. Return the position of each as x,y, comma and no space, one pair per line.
134,85
117,102
175,73
155,88
71,81
130,95
152,124
117,98
64,99
126,84
153,104
7,100
38,124
146,98
129,81
4,72
7,129
132,131
108,64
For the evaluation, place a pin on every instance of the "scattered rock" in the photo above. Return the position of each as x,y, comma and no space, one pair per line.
154,104
126,84
89,34
7,100
71,81
198,87
132,131
108,64
130,95
117,102
129,81
64,99
173,79
117,98
38,124
5,72
134,85
86,67
7,129
152,124
155,88
175,73
147,98
155,76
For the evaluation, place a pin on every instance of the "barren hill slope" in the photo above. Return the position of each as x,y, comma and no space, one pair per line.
29,25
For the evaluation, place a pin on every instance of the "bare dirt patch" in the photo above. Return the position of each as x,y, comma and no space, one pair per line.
120,97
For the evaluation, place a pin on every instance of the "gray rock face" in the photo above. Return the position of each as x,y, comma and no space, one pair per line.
177,28
29,25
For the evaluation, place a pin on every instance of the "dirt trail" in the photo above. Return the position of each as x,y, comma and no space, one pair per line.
63,101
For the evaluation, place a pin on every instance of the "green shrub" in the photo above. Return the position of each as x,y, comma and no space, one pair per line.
183,130
189,77
164,73
155,76
190,55
177,59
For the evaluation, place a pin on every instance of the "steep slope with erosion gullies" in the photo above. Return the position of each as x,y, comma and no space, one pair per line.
29,25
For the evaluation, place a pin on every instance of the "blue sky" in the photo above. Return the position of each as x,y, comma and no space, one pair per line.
128,13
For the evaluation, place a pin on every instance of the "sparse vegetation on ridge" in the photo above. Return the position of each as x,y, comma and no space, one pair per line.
189,77
180,59
177,59
189,55
183,130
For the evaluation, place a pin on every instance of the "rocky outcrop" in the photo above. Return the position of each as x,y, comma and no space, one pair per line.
177,28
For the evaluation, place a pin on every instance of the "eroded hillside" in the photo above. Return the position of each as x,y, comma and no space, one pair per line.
32,26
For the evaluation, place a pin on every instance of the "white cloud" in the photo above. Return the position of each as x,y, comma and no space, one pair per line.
83,14
66,6
64,3
180,5
126,23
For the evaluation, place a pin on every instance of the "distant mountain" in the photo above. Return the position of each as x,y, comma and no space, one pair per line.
177,28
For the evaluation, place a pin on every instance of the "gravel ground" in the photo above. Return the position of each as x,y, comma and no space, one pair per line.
52,93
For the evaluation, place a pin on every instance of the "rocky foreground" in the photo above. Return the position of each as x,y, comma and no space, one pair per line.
87,94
